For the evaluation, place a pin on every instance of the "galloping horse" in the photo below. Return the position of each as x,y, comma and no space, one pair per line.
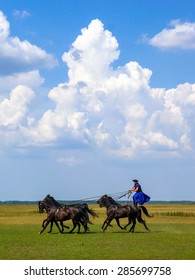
46,206
115,211
78,213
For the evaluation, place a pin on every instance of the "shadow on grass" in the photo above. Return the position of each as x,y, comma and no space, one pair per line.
101,232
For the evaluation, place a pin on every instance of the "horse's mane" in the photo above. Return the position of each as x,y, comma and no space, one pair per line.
111,200
50,199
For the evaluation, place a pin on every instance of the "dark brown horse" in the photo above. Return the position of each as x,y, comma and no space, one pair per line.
115,211
45,206
78,213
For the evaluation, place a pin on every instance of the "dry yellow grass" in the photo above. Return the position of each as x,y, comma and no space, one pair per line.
163,213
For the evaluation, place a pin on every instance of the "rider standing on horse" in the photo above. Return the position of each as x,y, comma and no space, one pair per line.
139,197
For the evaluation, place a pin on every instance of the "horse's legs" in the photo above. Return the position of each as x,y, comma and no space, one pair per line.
84,224
45,225
76,223
141,221
144,223
63,226
104,224
118,223
51,226
56,223
102,228
107,222
79,227
129,222
74,226
133,226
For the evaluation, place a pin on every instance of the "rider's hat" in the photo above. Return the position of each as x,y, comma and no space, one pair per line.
135,180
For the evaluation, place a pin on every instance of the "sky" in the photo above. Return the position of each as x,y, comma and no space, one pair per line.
94,94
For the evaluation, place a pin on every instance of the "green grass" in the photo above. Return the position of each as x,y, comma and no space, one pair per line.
171,237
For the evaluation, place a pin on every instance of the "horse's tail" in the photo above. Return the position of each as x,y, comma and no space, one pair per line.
145,211
86,211
90,211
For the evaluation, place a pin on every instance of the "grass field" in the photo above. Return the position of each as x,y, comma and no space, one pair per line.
172,236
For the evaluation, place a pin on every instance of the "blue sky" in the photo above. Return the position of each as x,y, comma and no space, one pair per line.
94,94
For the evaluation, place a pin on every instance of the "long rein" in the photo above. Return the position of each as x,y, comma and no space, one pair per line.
117,195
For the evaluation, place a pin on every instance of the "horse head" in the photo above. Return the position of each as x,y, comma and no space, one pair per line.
106,200
41,207
103,200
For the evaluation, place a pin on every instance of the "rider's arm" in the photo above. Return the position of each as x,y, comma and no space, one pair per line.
134,189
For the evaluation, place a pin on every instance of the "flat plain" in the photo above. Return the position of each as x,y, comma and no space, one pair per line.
171,236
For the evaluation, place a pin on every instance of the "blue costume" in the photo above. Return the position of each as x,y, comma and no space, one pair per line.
139,196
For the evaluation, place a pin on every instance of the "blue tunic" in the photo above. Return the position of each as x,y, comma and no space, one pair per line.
139,196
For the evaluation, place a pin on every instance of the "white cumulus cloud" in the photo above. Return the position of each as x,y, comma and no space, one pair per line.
113,110
31,79
91,54
180,35
14,108
19,56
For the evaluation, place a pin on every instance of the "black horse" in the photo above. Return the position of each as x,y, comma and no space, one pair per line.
46,206
78,213
48,201
115,211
